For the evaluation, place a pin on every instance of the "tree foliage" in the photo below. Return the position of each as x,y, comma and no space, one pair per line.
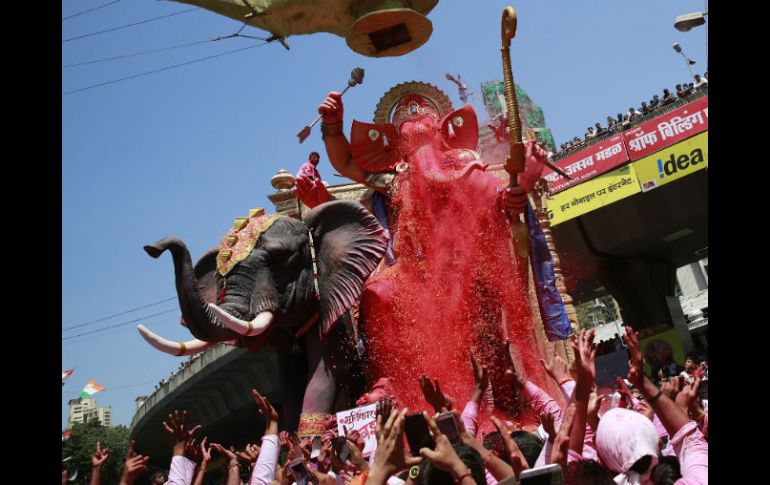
82,444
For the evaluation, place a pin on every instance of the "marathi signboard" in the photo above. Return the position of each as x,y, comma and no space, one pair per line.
673,163
588,163
593,194
664,131
363,420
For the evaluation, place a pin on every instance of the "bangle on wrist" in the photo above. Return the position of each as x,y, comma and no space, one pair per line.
237,466
459,479
331,129
657,396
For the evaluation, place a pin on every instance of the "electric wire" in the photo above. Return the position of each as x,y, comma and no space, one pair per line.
113,29
90,10
136,54
114,332
121,324
155,71
118,314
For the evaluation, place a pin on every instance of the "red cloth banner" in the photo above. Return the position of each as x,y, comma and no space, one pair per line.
587,163
666,130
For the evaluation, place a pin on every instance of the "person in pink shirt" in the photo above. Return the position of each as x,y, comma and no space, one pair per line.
310,189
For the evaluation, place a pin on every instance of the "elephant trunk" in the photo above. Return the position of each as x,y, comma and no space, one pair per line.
200,322
444,178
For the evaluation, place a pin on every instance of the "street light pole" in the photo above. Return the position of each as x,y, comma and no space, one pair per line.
687,60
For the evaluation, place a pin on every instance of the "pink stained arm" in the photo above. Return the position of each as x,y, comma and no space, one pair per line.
470,417
181,471
540,401
264,468
693,453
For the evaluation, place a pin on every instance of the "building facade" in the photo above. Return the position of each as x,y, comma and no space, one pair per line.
84,410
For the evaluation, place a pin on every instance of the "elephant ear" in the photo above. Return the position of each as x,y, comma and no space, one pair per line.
460,129
206,274
349,244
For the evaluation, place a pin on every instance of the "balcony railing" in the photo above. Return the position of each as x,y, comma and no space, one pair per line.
661,110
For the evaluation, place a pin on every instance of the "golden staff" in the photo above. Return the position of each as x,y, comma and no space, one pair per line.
514,164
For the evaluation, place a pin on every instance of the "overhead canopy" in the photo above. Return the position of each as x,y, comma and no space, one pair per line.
375,28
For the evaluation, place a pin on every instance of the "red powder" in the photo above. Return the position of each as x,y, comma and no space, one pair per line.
456,286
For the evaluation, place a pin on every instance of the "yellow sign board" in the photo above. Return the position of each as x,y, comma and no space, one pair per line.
673,163
593,194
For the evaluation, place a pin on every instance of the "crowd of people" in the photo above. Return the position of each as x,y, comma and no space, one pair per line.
616,124
182,366
648,435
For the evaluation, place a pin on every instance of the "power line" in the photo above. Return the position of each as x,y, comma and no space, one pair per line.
154,71
115,332
119,314
121,324
113,29
90,9
142,53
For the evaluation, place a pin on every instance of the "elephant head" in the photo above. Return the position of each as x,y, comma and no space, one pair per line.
262,276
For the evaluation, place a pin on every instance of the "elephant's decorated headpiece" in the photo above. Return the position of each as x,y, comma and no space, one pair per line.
374,146
242,238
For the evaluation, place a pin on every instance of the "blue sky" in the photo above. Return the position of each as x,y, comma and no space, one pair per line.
185,151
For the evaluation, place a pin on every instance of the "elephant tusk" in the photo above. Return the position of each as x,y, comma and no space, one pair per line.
254,327
170,347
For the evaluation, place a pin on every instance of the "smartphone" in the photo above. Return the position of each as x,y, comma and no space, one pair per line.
315,447
544,475
447,424
300,471
341,448
417,433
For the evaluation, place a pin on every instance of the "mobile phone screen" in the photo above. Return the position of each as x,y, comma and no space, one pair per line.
342,448
448,426
417,434
544,475
299,471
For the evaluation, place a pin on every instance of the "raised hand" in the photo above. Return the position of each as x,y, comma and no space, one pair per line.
283,440
645,409
332,108
193,451
135,466
433,394
249,454
546,419
518,462
511,372
267,411
561,443
480,379
176,427
557,369
390,457
585,355
229,453
205,452
99,456
636,364
688,396
671,387
443,456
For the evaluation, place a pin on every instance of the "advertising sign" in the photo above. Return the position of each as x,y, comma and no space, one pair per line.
593,194
664,131
673,163
588,163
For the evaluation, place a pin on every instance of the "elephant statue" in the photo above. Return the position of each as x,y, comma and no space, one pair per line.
275,277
